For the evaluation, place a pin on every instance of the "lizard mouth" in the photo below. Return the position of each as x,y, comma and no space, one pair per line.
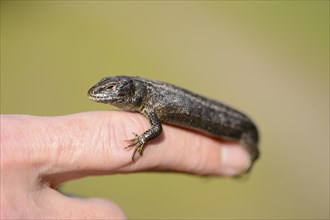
102,97
98,97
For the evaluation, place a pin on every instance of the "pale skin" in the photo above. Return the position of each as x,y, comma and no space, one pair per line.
40,153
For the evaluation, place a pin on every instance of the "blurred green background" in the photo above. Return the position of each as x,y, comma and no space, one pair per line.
267,58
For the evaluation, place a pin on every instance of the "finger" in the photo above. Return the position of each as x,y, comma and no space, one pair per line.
176,149
93,143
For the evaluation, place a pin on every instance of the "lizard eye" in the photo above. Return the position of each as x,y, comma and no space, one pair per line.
110,87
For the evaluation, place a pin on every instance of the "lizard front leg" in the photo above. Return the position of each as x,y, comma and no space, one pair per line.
156,128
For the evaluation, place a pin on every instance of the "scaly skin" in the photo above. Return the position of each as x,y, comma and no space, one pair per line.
163,102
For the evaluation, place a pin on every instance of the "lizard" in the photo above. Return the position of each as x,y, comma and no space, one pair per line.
163,102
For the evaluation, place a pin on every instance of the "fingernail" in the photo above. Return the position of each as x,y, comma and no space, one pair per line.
235,160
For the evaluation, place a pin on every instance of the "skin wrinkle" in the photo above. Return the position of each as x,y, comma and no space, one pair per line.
55,147
67,150
97,139
113,137
101,139
61,142
15,151
57,139
122,131
110,143
109,139
139,122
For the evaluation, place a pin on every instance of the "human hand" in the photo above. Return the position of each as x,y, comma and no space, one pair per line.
39,153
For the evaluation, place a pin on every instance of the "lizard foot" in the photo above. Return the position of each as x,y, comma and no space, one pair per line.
137,142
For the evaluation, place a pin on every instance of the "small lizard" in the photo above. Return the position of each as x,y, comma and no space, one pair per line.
163,102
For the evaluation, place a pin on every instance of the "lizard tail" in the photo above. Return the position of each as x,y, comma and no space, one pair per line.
250,140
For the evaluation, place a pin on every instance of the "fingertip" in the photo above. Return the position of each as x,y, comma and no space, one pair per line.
87,208
235,160
107,209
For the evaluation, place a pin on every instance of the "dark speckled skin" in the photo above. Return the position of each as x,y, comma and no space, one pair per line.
163,102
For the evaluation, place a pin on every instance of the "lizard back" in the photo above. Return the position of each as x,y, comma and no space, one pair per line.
178,106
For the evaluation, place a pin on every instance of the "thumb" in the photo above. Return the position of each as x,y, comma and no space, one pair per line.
66,207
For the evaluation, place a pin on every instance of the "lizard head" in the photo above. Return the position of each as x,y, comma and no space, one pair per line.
116,90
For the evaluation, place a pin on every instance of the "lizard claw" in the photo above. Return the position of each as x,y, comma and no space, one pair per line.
133,139
137,142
